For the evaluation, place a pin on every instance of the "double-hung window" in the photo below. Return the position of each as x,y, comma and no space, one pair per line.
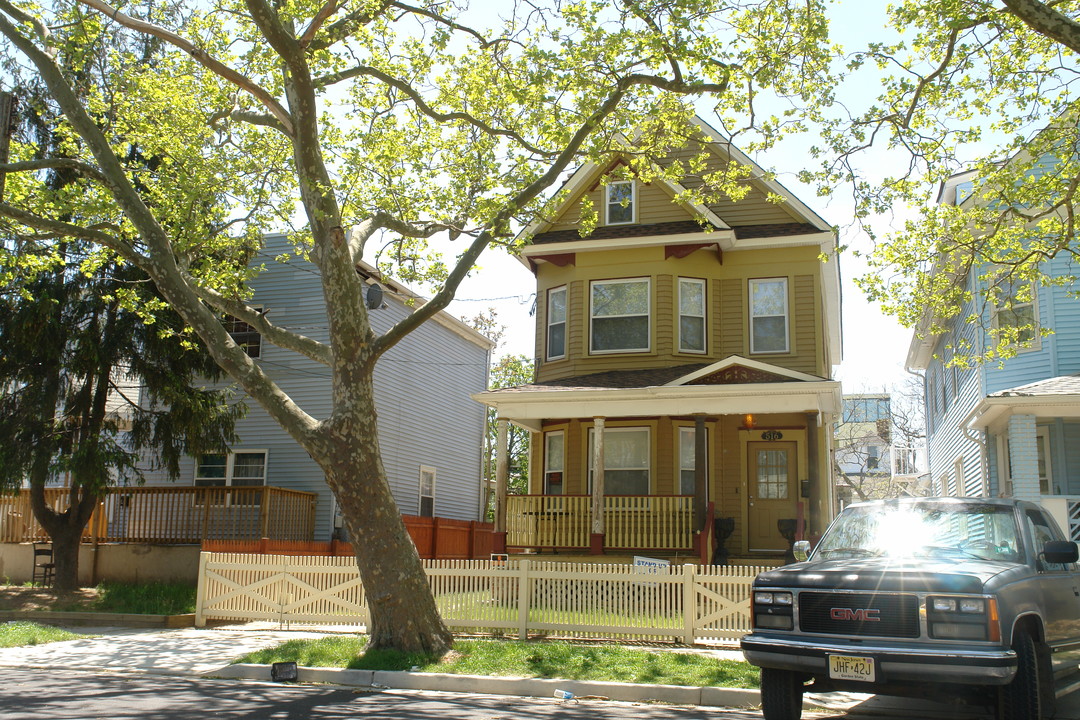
1015,312
427,491
691,315
769,315
556,323
243,468
626,460
620,200
688,460
244,335
554,444
619,315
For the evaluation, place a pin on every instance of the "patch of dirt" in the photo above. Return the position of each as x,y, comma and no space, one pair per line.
33,598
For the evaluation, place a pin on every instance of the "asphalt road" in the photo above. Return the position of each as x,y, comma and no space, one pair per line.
73,695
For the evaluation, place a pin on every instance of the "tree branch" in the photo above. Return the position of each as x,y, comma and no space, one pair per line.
58,163
1044,20
200,56
63,229
286,339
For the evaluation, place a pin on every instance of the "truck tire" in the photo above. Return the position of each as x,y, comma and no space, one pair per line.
1022,698
781,694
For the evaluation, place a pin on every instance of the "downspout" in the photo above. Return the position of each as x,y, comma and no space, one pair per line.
984,462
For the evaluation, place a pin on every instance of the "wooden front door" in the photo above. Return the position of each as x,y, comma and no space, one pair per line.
771,492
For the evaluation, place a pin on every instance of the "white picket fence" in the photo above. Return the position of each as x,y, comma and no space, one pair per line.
524,597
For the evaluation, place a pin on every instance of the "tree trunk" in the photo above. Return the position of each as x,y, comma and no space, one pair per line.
65,546
403,615
65,530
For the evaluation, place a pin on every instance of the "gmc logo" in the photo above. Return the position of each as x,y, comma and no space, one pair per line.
860,615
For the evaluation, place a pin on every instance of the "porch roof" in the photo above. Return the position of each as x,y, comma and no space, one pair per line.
1056,397
658,393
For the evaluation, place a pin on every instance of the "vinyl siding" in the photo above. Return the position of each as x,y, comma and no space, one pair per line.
422,387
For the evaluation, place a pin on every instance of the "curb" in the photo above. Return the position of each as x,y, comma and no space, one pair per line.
521,687
90,619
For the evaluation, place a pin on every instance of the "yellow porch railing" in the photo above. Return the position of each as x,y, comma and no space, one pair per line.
630,521
649,522
548,521
174,515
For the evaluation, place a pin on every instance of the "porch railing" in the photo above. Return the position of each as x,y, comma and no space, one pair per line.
174,515
631,522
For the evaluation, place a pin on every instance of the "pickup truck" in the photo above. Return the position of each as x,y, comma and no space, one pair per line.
970,600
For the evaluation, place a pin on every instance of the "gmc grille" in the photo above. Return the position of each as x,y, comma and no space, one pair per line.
895,616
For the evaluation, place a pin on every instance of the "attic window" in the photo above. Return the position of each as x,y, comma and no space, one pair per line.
620,202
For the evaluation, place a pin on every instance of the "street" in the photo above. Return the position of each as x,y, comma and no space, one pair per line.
77,695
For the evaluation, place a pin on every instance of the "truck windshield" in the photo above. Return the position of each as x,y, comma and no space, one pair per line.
951,530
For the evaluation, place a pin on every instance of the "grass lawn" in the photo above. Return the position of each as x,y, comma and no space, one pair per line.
19,633
144,599
567,661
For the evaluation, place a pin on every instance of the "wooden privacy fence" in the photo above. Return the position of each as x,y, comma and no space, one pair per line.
658,522
174,515
434,538
522,598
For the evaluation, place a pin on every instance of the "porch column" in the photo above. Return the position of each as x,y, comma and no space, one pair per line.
1023,458
701,476
502,475
813,479
596,539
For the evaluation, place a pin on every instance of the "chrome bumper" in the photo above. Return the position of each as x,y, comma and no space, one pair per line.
896,663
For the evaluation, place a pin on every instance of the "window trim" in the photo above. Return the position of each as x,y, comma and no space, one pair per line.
704,315
648,314
548,434
787,314
591,453
230,463
566,310
692,430
607,202
420,490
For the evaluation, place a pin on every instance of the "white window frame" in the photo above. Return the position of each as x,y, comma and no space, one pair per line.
1042,452
679,459
425,469
958,476
566,312
608,204
647,315
230,471
548,471
752,283
998,306
704,316
1004,466
614,430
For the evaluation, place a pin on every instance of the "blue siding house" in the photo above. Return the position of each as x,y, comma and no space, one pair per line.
430,431
1010,429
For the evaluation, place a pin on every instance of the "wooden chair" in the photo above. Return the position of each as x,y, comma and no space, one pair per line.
44,567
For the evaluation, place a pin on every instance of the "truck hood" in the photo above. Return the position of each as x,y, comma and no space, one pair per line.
888,574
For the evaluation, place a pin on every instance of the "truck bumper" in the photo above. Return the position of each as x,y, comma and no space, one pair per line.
895,662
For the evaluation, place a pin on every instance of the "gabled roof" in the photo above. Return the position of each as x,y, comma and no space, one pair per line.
737,369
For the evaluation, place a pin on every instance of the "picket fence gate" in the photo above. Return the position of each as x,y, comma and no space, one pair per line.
523,597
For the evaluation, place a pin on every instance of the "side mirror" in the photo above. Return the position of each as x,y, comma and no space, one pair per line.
1060,552
802,550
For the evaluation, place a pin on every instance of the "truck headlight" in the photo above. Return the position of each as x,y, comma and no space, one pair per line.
963,618
772,610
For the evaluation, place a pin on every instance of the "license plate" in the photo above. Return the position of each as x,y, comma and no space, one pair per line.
849,667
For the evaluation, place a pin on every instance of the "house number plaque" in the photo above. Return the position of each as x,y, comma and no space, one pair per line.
772,435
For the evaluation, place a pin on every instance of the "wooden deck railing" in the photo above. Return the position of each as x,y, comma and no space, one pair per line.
174,515
639,522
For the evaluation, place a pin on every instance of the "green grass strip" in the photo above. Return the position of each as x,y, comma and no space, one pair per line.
19,633
567,661
154,598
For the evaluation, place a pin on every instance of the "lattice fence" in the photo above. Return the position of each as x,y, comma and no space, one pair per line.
522,598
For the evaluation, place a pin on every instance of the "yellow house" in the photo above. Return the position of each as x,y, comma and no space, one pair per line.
687,350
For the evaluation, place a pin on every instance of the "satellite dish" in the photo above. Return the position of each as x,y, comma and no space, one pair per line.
374,296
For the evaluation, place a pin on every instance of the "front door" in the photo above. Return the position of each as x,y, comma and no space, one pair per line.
771,492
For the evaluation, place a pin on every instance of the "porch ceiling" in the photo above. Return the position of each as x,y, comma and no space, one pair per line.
993,412
528,408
